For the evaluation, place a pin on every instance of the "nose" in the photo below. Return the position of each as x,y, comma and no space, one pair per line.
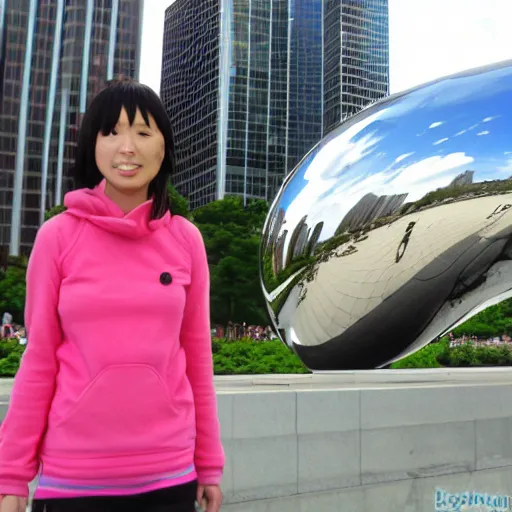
127,144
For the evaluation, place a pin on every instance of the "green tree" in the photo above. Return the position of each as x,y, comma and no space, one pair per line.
232,232
12,288
231,214
248,357
179,205
54,211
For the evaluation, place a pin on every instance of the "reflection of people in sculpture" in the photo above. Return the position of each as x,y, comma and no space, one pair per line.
116,419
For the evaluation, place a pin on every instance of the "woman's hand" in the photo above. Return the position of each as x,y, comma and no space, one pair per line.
209,498
13,504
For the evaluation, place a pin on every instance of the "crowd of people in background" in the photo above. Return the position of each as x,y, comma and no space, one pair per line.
237,331
233,331
12,332
479,342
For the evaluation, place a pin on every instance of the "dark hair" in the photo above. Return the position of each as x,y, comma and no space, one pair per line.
102,116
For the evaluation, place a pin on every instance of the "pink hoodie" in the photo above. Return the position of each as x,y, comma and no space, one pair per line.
117,378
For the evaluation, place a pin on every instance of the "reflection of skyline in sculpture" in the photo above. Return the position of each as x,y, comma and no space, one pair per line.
396,225
276,226
466,178
303,241
278,256
298,240
370,208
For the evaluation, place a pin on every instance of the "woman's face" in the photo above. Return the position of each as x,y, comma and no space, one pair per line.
131,155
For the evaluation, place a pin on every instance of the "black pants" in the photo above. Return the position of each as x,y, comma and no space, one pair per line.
179,498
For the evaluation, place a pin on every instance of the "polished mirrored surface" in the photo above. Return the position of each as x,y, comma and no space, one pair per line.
397,226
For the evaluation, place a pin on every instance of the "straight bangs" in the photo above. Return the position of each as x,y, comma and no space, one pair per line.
102,117
130,99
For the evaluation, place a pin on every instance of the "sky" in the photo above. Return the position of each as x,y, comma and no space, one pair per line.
428,39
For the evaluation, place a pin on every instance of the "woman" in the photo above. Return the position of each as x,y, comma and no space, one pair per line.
112,419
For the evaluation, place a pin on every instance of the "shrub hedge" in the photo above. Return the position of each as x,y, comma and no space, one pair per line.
10,356
247,357
229,358
439,354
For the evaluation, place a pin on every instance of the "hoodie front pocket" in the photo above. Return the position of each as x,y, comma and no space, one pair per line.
126,409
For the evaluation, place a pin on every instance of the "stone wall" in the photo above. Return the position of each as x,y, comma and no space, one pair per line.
373,449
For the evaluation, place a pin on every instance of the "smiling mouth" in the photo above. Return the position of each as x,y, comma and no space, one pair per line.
126,167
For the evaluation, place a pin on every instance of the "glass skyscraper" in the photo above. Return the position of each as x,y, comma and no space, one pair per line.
252,85
54,56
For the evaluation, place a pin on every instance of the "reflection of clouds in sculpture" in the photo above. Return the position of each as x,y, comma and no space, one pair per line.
349,160
347,163
507,168
416,179
426,175
403,157
487,119
392,223
324,171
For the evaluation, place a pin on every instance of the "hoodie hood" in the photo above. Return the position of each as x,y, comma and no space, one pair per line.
95,207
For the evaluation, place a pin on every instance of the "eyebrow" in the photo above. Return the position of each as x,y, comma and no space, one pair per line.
139,123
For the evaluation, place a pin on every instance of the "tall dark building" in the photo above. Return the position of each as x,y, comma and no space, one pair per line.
54,56
252,85
356,58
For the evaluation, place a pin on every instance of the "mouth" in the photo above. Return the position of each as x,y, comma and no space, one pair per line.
127,169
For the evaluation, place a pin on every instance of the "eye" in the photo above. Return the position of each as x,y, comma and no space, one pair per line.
113,132
144,134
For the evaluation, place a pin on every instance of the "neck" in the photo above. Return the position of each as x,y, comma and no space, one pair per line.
127,202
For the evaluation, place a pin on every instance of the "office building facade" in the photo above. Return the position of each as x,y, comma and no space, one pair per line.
55,55
252,85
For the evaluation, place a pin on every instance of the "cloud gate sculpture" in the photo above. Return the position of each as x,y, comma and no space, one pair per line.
397,226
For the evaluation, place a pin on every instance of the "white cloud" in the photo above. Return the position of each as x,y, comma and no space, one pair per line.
423,172
440,141
471,128
484,132
416,180
507,168
403,157
436,124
